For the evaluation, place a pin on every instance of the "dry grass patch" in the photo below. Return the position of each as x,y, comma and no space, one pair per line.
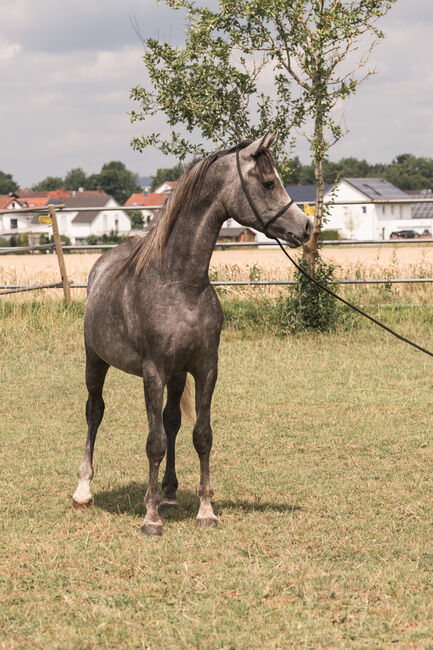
322,470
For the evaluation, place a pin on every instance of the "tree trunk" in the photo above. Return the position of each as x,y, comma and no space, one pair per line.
311,249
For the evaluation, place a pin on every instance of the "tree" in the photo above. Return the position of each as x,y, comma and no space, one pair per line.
75,178
409,172
49,183
115,179
212,85
137,221
168,174
349,167
7,183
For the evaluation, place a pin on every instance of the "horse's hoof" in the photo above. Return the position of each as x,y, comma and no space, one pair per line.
207,522
152,529
167,504
79,507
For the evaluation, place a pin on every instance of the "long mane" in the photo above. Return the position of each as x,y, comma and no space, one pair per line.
153,245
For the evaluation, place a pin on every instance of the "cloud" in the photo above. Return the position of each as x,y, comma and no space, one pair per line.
67,69
8,50
60,27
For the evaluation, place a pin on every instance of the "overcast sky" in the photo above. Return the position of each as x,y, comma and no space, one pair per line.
66,69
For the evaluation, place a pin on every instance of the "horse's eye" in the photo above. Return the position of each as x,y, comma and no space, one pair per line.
268,185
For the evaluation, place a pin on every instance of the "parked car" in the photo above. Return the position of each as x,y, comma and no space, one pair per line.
403,234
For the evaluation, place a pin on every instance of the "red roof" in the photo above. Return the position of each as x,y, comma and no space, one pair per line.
6,200
151,199
58,194
35,201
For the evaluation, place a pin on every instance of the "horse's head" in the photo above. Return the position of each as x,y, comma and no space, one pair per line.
255,195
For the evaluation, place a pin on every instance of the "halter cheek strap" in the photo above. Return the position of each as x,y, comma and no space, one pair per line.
265,224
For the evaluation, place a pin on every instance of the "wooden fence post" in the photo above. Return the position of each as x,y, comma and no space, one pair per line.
60,257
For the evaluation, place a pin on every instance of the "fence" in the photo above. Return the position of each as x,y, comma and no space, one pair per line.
59,247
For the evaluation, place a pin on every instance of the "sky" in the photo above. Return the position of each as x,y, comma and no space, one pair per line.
66,70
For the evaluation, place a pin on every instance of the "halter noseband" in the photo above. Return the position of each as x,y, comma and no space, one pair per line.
265,225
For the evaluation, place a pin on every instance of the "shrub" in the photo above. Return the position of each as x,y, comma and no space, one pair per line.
307,306
22,239
329,235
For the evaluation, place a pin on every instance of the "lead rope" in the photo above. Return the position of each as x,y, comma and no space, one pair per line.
348,304
307,275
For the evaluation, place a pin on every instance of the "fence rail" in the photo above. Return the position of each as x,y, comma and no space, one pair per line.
245,244
18,288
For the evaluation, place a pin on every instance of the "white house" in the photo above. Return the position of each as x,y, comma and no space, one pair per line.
12,224
79,225
367,220
166,187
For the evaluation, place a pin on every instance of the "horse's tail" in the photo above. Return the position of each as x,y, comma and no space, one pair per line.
187,401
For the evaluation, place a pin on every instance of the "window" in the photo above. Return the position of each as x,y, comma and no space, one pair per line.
364,209
392,208
116,225
14,224
383,209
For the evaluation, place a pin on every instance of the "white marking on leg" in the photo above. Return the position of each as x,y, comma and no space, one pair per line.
83,494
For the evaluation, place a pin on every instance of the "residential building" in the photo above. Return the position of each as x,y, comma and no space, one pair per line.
79,225
354,219
236,234
11,224
153,201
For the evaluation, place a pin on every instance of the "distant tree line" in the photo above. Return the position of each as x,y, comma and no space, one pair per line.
406,171
114,178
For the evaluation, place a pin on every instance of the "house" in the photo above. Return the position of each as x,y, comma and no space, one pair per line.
79,225
166,187
11,224
153,201
370,220
422,210
236,234
354,219
304,195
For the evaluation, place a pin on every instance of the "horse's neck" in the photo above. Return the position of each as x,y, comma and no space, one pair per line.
190,245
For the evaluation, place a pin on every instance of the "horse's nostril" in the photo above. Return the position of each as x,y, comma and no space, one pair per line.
308,227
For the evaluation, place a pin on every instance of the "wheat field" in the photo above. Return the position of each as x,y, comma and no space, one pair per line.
351,262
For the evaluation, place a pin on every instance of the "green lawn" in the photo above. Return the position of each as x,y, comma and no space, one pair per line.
322,468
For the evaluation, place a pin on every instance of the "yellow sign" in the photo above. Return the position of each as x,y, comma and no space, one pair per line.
46,219
309,210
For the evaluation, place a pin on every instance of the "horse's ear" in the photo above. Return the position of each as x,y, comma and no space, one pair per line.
261,143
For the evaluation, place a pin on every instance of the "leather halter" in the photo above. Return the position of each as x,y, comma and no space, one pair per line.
265,225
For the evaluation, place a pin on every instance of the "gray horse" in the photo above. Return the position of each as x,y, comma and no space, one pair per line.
152,312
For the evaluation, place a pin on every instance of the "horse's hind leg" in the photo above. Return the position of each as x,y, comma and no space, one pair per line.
96,370
172,420
202,438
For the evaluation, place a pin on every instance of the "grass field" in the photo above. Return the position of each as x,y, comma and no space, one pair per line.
322,468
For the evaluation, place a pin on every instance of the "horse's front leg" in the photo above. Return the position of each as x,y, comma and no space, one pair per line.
155,446
172,420
202,438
